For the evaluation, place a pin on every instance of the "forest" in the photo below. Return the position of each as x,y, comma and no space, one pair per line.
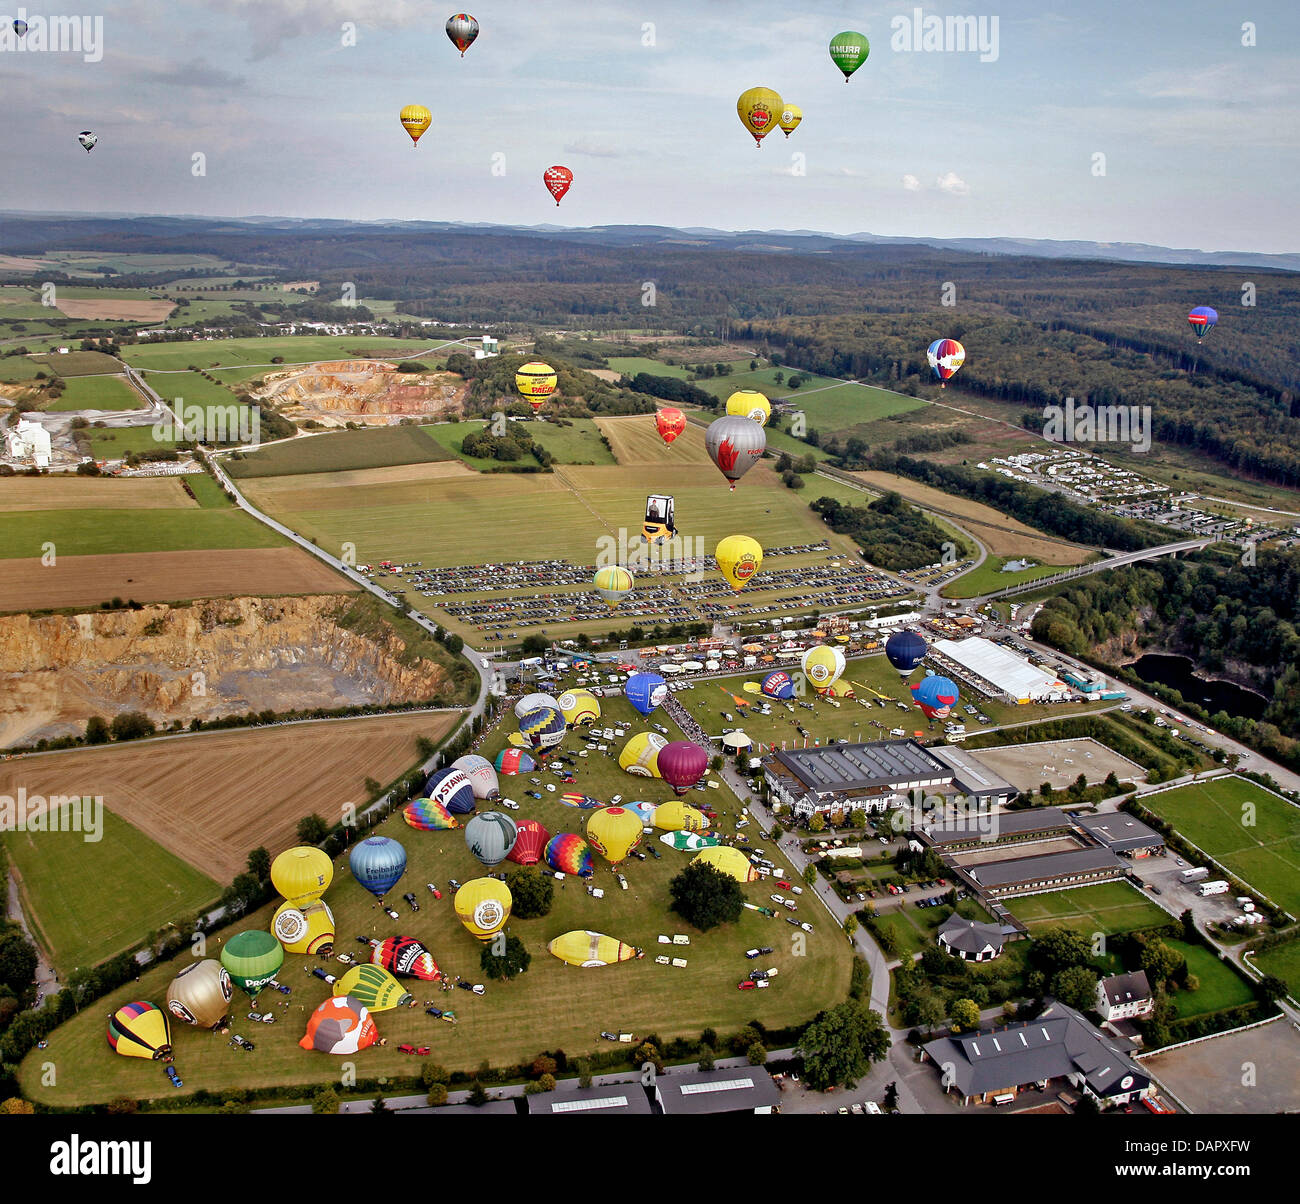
891,533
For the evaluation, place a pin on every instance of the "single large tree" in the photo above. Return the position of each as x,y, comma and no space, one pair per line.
840,1044
514,960
1058,949
706,897
1076,986
531,892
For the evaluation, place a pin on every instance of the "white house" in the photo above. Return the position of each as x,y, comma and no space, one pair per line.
29,441
1124,996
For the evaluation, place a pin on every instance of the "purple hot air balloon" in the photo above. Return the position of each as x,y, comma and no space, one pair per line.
682,764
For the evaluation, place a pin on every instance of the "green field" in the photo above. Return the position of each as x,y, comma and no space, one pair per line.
578,443
1220,985
989,577
630,365
339,452
1283,961
97,393
294,350
502,1026
100,532
74,363
112,443
1108,908
96,898
1214,815
915,928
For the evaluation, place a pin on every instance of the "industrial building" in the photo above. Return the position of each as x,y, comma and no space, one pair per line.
27,440
842,777
1039,823
997,672
973,778
1046,872
1121,833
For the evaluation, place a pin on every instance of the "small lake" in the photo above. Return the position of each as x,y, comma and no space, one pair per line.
1176,672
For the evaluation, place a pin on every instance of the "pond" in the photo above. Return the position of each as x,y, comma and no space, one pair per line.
1176,672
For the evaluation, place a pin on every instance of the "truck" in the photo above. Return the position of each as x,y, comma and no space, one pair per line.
1213,888
1195,874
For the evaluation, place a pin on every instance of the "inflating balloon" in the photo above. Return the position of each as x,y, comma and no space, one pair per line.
200,994
735,445
141,1030
558,180
483,906
373,986
482,777
682,764
490,837
579,707
252,959
640,753
583,802
822,665
302,874
543,726
308,929
453,789
570,854
739,558
530,843
759,110
462,29
406,957
614,832
341,1025
415,120
645,691
778,684
589,949
530,701
936,696
426,815
729,861
377,863
512,761
676,816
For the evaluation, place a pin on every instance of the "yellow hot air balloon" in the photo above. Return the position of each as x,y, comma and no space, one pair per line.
588,949
790,118
302,874
415,120
536,382
760,111
374,986
614,832
579,707
676,816
483,906
304,930
822,665
750,403
640,754
141,1030
613,583
739,558
731,862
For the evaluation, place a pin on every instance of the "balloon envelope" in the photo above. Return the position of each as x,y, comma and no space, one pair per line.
640,754
1202,320
341,1025
739,558
252,959
462,29
20,28
512,761
426,815
373,986
530,702
822,665
308,929
849,50
645,691
543,726
791,116
778,684
530,843
482,777
670,422
302,874
558,180
570,854
614,832
759,110
583,801
141,1030
490,837
536,381
613,583
579,707
415,120
905,650
682,764
735,445
587,949
377,863
751,404
88,139
200,994
483,906
935,695
676,816
729,861
453,789
945,356
406,957
645,812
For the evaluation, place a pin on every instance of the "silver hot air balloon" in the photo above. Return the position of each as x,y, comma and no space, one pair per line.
735,445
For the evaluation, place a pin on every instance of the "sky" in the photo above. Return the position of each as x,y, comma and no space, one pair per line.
292,107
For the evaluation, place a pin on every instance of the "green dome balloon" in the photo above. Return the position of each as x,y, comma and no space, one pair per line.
849,50
252,959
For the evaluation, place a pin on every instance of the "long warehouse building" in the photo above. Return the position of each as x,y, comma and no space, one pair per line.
1002,671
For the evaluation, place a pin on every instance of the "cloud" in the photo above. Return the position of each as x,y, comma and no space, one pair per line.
596,150
952,183
911,183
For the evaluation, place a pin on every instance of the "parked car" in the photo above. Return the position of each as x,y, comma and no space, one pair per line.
410,901
421,1050
508,803
174,1077
476,987
391,912
240,1043
453,884
433,890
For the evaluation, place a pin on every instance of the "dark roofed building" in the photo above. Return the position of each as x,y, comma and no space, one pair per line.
708,1092
969,939
1121,833
972,777
1123,996
1059,1045
837,777
617,1099
985,828
1049,871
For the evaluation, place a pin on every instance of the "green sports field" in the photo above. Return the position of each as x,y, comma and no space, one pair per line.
74,363
1284,961
501,1026
96,898
342,451
989,577
1253,833
1108,908
97,393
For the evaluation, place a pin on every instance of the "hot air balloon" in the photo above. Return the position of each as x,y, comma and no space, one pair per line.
729,861
936,696
849,51
778,684
670,422
640,754
406,957
945,357
341,1025
453,789
536,382
373,986
88,140
482,777
462,29
759,110
531,701
905,650
582,801
751,404
739,558
822,665
200,994
377,863
587,949
512,761
579,707
426,815
544,727
530,843
1202,320
644,811
302,874
790,118
570,854
735,445
141,1030
252,959
689,842
490,837
20,28
415,120
558,181
309,929
613,583
483,906
676,816
645,691
682,764
614,832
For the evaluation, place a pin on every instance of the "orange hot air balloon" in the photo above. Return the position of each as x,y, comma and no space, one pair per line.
557,179
671,422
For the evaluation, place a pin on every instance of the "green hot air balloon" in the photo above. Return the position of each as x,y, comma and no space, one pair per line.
849,50
252,959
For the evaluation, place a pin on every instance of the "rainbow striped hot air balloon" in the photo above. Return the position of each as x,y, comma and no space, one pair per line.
426,815
141,1030
570,854
589,949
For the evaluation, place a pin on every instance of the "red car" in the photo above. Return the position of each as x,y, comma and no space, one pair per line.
422,1050
747,985
783,884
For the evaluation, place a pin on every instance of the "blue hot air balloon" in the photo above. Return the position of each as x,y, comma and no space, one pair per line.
905,650
777,684
377,863
645,691
20,28
936,696
1202,320
453,789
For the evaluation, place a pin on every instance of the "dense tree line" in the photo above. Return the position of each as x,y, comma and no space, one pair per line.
672,388
891,533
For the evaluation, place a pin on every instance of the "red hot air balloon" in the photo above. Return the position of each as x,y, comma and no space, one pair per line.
530,843
682,764
557,179
671,422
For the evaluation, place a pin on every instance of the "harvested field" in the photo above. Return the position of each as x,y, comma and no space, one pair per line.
91,493
212,797
164,577
126,310
635,440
